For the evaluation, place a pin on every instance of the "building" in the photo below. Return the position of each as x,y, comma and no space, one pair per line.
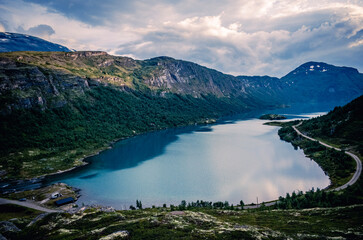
64,201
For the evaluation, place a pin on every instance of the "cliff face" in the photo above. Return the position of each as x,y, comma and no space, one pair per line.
49,79
189,78
24,86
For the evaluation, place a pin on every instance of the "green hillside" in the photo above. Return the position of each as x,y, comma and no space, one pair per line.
341,126
59,107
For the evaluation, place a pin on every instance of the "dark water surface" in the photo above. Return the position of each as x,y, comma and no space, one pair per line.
230,161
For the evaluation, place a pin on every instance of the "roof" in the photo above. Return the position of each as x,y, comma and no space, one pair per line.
64,201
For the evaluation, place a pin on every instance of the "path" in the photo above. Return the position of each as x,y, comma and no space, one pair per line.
28,205
358,170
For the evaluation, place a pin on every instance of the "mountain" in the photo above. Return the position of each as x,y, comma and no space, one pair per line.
47,79
11,42
317,82
312,82
62,106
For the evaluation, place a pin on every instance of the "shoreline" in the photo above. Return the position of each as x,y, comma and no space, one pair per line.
83,159
110,146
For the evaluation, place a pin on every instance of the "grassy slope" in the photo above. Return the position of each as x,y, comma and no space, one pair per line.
100,66
341,127
160,223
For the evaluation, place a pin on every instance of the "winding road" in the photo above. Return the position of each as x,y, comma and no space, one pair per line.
358,170
353,180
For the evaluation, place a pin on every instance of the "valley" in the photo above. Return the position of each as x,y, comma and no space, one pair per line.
58,108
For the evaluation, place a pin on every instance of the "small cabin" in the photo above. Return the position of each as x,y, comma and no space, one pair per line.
64,201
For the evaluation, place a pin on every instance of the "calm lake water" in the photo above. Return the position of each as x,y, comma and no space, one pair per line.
231,161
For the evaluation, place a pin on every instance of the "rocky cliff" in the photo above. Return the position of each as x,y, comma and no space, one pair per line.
48,79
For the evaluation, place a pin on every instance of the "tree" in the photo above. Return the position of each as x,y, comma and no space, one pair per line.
138,204
182,205
242,204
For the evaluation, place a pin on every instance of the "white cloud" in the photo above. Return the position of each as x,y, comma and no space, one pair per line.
356,44
234,36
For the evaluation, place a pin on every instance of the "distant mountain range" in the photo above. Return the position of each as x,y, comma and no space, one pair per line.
11,42
70,103
310,82
42,78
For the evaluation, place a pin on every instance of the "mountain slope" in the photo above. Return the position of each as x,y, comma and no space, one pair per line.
312,82
317,82
61,106
39,79
341,126
10,42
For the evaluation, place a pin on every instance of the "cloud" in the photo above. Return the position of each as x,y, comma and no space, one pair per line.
42,30
234,36
207,41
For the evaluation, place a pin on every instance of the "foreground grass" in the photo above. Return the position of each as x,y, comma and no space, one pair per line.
161,223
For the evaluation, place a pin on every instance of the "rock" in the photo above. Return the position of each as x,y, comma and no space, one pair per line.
6,226
116,235
177,213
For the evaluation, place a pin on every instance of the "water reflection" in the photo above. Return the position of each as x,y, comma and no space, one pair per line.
230,161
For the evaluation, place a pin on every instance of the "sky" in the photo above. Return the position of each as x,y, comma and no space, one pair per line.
239,37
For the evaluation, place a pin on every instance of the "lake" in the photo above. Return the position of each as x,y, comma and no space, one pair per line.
229,161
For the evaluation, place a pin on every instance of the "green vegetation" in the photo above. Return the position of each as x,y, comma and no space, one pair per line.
319,198
160,223
57,108
35,142
272,117
340,127
336,164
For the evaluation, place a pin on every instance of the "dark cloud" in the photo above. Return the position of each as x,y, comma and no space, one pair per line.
41,30
94,12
